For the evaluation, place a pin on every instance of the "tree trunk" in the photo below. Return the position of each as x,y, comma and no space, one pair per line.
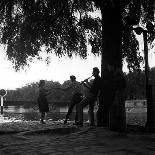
111,55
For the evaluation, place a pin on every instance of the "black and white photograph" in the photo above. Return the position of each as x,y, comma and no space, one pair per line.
77,77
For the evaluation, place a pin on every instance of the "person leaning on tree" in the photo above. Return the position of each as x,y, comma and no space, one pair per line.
90,98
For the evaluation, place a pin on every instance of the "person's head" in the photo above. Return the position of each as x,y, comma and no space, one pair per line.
96,71
72,78
41,83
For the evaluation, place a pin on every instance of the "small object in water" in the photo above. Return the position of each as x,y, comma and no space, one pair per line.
65,121
79,124
42,122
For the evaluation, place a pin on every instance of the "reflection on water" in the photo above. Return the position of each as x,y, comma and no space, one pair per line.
22,109
21,113
17,109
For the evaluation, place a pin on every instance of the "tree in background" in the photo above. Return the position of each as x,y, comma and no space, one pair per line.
135,89
30,92
135,85
65,27
26,93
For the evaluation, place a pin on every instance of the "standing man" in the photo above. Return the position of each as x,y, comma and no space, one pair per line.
76,96
90,98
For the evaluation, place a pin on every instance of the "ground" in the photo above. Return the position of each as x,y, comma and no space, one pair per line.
55,138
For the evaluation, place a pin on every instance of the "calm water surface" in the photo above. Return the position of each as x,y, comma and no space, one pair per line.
21,113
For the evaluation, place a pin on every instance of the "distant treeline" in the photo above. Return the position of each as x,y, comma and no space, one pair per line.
136,84
135,90
29,93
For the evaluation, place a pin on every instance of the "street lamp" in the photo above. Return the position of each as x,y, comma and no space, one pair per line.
3,92
150,107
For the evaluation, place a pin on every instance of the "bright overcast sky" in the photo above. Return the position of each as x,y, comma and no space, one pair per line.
58,70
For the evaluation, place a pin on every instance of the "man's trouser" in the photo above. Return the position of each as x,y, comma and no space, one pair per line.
75,100
88,100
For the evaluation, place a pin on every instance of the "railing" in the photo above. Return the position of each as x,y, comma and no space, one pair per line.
28,103
136,103
128,103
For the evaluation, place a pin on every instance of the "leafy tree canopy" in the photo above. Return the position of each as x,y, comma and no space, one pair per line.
65,27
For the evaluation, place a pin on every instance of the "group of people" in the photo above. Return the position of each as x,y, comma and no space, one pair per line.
79,100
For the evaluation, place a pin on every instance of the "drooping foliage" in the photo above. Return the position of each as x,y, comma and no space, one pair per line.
141,12
65,27
60,26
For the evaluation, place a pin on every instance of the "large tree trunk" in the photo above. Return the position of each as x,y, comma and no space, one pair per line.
111,55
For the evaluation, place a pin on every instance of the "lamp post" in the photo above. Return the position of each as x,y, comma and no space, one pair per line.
3,92
150,107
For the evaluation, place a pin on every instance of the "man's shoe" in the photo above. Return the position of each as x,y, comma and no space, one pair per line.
79,123
65,121
42,122
74,123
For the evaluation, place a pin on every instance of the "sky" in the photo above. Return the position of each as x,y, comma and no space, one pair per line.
59,69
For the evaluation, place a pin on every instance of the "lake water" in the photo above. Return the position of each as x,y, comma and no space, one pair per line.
21,113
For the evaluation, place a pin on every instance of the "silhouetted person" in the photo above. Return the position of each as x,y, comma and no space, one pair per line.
75,87
42,100
90,98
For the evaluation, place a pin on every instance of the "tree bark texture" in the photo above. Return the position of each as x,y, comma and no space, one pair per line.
111,55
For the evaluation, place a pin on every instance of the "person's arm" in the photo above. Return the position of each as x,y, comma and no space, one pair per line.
43,91
48,92
59,88
67,88
48,89
87,85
